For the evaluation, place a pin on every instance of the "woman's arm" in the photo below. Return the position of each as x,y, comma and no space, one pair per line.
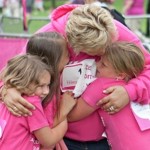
16,104
117,97
137,89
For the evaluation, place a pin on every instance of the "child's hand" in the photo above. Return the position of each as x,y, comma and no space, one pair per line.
67,103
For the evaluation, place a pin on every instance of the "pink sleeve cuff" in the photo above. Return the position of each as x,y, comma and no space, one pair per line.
130,88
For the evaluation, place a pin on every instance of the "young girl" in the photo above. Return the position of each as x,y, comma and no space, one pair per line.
32,78
51,47
126,130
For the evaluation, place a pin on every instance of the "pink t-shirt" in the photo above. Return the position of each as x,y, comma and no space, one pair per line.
137,8
139,86
121,128
18,132
50,111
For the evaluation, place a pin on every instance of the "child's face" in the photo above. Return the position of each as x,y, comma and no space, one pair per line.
42,90
105,69
64,59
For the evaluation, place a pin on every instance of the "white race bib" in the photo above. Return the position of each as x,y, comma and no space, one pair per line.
76,76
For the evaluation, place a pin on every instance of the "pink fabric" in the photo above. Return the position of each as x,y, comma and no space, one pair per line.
18,131
137,8
50,112
122,130
10,47
140,86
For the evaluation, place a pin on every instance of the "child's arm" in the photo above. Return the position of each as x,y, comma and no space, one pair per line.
66,104
39,125
80,111
87,103
48,137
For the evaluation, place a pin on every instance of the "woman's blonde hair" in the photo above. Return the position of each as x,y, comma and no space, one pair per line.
126,58
22,70
90,28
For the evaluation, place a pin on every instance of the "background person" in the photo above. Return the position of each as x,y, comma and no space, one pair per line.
135,7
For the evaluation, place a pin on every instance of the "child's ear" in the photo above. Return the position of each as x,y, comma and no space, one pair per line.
121,76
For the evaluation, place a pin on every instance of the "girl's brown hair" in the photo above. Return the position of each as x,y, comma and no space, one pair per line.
50,46
126,58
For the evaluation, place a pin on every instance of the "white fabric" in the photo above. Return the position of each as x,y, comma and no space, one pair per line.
76,76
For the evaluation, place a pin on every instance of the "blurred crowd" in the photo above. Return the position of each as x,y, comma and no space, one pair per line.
130,8
13,8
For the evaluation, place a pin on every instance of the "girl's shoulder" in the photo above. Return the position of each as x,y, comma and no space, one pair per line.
32,99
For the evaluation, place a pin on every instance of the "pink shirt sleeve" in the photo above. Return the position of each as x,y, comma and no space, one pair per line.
138,88
94,91
38,119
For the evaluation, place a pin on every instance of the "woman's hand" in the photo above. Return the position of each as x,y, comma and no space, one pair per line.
16,104
116,99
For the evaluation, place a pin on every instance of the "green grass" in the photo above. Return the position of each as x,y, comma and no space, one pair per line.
15,26
35,25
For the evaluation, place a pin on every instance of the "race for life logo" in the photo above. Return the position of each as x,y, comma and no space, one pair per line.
76,76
